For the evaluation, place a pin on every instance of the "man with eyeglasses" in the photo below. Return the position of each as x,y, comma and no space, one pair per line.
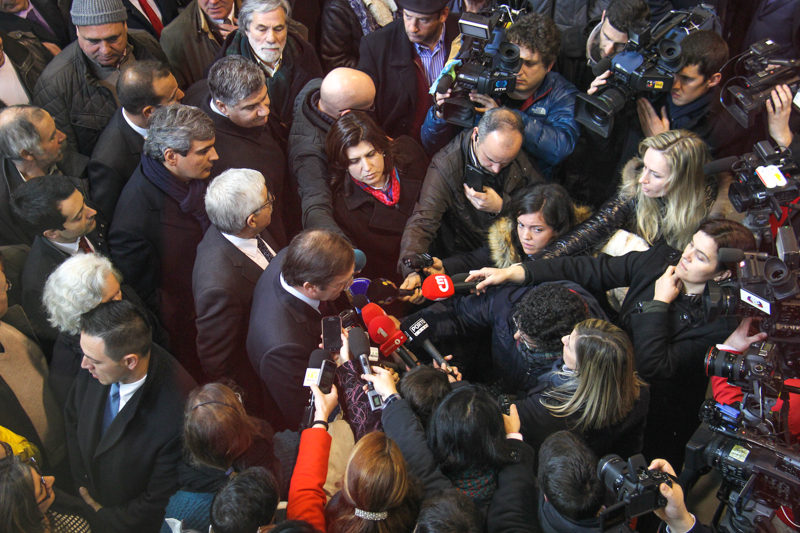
317,107
234,252
292,296
236,99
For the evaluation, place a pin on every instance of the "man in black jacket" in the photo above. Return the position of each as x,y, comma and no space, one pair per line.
79,86
43,18
64,226
25,57
317,107
124,420
142,88
30,146
404,58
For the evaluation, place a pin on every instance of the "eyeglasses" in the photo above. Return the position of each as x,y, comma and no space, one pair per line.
346,283
269,202
32,463
522,336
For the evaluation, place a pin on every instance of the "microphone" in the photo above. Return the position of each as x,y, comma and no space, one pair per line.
601,66
460,286
735,255
720,165
383,331
320,372
360,301
444,83
359,347
361,260
383,291
416,331
438,287
381,328
370,312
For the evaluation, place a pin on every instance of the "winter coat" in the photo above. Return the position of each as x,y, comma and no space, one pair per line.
341,35
28,56
74,96
443,207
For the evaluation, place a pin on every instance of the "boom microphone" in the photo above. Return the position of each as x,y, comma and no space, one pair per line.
720,165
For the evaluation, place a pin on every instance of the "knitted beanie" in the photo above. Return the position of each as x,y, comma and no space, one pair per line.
97,12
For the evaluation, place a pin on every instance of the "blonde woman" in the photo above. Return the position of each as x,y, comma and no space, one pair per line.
664,196
592,391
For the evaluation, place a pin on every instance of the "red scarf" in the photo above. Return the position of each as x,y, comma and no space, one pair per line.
381,196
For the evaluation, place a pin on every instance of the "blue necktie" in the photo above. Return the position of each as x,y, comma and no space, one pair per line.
112,406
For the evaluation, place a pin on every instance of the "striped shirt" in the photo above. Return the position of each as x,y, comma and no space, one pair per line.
432,60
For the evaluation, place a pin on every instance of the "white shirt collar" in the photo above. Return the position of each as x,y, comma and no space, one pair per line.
297,294
127,390
249,247
71,248
215,109
137,129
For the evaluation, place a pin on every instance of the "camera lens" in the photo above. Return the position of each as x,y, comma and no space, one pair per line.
725,365
611,469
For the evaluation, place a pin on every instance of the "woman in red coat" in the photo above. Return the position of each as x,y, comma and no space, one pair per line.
375,183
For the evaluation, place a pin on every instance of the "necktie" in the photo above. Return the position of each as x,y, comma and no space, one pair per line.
83,244
263,248
34,17
151,15
112,406
327,308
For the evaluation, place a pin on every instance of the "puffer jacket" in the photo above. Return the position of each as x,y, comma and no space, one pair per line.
73,95
550,127
28,56
444,205
308,162
341,35
617,213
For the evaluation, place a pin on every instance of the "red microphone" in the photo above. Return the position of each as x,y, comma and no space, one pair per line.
381,328
395,344
371,311
438,287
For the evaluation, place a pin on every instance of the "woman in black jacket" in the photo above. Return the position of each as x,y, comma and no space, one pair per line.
663,314
375,183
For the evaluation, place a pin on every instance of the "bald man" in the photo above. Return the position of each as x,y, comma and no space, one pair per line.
317,107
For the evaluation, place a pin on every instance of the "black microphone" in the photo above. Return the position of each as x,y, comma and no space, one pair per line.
460,286
417,332
359,301
383,291
359,347
734,255
320,373
720,165
601,66
444,83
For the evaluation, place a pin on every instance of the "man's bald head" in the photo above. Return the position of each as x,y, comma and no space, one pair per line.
346,88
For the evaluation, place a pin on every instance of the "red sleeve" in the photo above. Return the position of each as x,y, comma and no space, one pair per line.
306,498
724,392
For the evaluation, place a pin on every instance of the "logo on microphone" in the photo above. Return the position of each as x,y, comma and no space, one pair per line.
419,326
443,282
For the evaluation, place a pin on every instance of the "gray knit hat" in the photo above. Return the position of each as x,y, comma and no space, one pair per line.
97,12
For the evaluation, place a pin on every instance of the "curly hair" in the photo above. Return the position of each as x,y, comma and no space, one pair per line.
74,288
537,33
548,312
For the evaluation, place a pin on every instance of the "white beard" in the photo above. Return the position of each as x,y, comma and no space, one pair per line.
269,56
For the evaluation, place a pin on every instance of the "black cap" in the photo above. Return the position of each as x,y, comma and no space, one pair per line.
426,7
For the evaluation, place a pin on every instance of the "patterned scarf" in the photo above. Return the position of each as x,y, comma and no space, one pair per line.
389,199
476,483
190,197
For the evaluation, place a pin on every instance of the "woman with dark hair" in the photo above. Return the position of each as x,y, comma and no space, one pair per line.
592,390
662,313
26,497
220,438
375,182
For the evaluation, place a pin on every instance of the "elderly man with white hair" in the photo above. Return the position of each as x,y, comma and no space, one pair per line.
78,285
234,252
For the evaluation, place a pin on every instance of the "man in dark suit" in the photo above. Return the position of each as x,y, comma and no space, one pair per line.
151,18
124,420
230,259
290,299
42,18
141,89
235,97
30,146
404,58
161,218
64,226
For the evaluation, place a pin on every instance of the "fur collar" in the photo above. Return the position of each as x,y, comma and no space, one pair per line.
503,243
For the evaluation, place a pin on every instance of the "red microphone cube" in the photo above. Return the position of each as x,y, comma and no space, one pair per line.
438,287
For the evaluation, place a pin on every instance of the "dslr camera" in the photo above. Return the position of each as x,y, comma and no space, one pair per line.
488,64
635,487
750,95
648,64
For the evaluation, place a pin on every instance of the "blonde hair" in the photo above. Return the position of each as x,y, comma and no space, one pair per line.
604,388
676,215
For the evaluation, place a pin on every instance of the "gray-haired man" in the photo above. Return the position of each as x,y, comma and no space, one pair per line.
161,218
235,96
235,251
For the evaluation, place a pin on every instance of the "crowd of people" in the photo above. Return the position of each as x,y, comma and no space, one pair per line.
188,188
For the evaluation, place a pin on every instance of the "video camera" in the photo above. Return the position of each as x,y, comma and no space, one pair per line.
648,63
488,64
636,489
763,75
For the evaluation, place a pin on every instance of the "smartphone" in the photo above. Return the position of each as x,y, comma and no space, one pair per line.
473,177
332,333
327,370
